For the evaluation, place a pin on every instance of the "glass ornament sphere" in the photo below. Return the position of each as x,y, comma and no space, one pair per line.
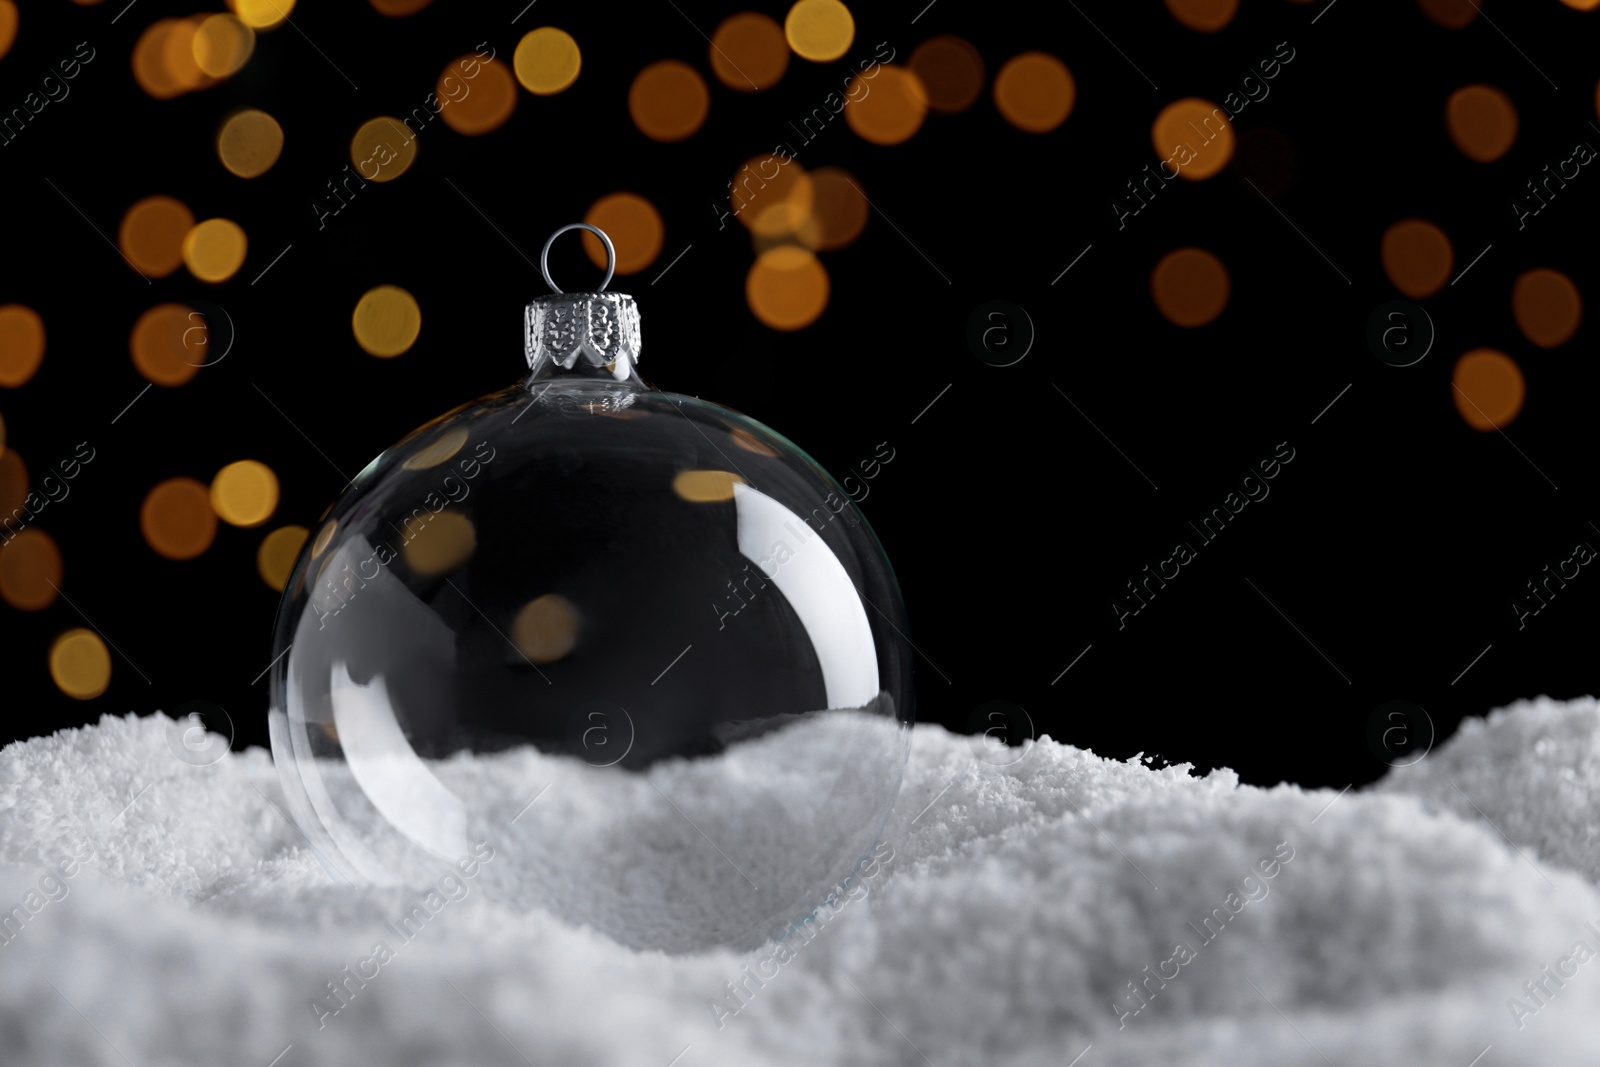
637,649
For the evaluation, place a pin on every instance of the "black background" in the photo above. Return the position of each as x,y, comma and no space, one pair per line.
1394,541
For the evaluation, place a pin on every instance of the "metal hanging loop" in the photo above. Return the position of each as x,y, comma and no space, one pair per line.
611,255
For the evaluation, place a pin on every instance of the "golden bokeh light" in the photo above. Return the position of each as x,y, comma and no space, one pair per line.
787,288
1451,14
399,9
177,520
838,211
1547,307
1035,92
8,25
1582,5
13,482
772,195
1195,136
169,344
249,143
324,538
951,72
669,101
751,443
635,229
705,486
80,664
30,570
893,108
244,493
440,451
488,102
749,52
152,55
277,554
1190,286
214,250
441,544
1207,16
152,233
1488,389
819,30
382,149
21,344
1482,121
386,321
547,60
546,628
1417,257
262,14
222,45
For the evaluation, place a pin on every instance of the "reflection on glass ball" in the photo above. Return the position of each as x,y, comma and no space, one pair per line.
641,646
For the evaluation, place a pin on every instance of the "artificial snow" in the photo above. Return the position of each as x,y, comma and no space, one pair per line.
1065,909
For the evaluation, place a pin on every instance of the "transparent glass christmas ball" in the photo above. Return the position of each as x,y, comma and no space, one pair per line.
638,650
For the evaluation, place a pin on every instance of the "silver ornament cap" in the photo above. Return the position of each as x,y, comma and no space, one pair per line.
600,328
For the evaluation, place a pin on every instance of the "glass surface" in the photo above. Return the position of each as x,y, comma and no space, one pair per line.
641,646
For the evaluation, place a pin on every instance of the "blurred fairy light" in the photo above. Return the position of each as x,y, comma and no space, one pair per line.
13,481
634,226
152,233
705,486
8,25
890,110
486,104
547,61
669,101
169,343
1488,389
386,321
545,629
382,149
1190,287
21,344
262,14
244,493
1417,257
445,542
174,56
1206,16
838,211
222,45
1195,135
819,30
80,665
249,143
176,519
1451,14
787,288
214,250
748,52
1482,122
951,72
30,570
399,8
277,554
1035,92
1547,307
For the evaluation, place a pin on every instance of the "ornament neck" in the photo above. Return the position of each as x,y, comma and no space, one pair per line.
583,335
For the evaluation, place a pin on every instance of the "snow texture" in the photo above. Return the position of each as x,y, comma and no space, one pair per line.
156,913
